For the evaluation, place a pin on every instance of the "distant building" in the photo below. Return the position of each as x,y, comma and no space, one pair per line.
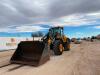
98,36
12,40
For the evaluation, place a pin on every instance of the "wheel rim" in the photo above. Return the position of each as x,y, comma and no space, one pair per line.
61,48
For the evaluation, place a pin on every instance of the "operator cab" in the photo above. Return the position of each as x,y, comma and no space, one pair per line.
54,31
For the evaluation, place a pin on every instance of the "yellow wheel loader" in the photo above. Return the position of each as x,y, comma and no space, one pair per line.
38,52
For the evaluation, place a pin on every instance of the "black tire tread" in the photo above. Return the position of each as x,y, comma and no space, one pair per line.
56,47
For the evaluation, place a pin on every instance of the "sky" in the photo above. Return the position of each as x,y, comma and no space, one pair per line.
19,18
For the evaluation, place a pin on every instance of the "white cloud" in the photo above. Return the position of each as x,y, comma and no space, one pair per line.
29,28
22,29
4,29
9,6
77,20
97,27
95,15
16,12
71,20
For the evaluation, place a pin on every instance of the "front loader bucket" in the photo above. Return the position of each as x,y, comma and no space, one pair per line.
31,52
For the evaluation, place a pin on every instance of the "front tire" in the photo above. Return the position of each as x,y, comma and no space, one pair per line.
58,47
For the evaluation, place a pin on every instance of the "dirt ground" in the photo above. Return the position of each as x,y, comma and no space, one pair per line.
82,59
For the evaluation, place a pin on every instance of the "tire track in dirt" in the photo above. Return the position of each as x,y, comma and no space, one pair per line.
85,66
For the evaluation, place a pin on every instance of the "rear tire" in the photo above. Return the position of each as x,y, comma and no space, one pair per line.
56,49
66,47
